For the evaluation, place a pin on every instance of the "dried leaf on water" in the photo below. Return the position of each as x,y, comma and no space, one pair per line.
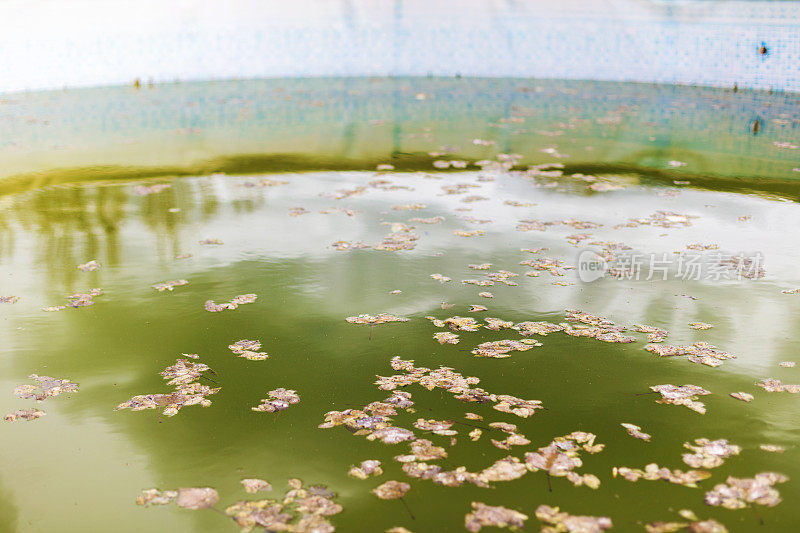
709,453
253,485
156,497
197,498
24,414
391,490
9,299
370,467
776,385
91,266
636,431
487,515
279,400
46,387
242,299
685,395
738,493
381,318
561,522
445,337
170,285
248,350
743,396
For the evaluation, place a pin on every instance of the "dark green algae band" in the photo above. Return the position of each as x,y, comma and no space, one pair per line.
280,163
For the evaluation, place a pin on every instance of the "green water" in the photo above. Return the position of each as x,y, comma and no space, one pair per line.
81,467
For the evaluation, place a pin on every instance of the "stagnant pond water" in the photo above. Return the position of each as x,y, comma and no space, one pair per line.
292,239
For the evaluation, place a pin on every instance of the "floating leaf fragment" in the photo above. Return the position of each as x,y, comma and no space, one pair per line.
445,337
486,295
370,467
381,318
738,493
652,472
211,242
24,414
242,299
253,485
248,350
472,233
685,395
145,190
776,385
279,400
156,497
477,308
487,515
90,266
170,285
197,498
743,396
391,490
636,431
440,278
700,325
772,448
708,453
46,387
787,364
561,522
501,349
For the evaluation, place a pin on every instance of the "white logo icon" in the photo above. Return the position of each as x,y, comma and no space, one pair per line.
591,266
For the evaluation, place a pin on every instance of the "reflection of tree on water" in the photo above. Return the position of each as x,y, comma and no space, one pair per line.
75,224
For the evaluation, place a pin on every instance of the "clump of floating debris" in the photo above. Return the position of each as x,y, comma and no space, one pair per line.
183,376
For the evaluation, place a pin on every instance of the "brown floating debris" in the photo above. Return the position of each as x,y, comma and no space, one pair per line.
745,397
776,385
501,349
487,515
685,395
738,493
486,295
700,352
787,364
247,349
654,334
156,497
242,299
211,241
432,220
253,485
46,387
197,498
445,337
653,472
708,453
24,414
297,211
483,266
9,299
381,318
695,526
636,431
402,237
471,233
302,509
477,308
145,190
183,376
170,285
370,467
560,522
700,325
391,490
347,245
772,448
409,207
90,266
561,457
279,400
440,278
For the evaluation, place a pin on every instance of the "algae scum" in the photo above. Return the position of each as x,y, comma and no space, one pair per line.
423,304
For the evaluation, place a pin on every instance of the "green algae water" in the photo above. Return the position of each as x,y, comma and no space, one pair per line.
282,175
